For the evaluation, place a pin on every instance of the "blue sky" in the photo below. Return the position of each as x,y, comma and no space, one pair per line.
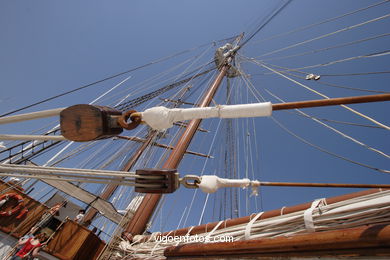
49,47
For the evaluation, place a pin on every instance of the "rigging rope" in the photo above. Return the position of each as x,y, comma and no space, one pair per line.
371,55
253,89
324,96
267,20
325,35
327,48
326,151
319,81
333,129
355,74
111,77
322,22
336,121
137,101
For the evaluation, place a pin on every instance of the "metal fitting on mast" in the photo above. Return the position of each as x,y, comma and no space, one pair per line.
223,56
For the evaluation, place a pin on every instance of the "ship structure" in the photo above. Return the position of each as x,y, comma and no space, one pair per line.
205,158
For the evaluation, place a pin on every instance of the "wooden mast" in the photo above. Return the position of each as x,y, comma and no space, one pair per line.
137,224
110,189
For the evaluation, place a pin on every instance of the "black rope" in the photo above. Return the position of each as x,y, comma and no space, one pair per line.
139,100
110,77
269,19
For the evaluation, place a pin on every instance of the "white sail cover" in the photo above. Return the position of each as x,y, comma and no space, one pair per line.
160,118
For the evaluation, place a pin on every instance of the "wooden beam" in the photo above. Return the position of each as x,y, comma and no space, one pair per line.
371,240
268,214
331,102
326,185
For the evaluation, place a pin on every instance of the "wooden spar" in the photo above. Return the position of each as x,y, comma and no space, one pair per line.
331,102
141,140
328,185
137,224
365,240
268,214
110,189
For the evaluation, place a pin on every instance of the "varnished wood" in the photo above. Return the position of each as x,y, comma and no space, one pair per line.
374,239
331,102
137,224
268,214
82,123
110,189
325,185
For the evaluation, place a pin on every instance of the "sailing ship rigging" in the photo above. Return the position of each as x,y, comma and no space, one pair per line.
217,118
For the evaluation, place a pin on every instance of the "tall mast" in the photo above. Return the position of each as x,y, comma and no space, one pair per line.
110,189
139,221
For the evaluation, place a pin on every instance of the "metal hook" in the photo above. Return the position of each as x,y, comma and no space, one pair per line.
191,181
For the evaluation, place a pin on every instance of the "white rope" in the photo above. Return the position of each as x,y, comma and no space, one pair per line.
162,118
317,77
308,215
364,210
204,208
203,169
324,96
326,35
334,129
319,23
57,126
327,48
213,230
248,227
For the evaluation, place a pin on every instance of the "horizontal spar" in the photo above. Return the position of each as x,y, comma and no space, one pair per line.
211,183
162,118
331,102
328,185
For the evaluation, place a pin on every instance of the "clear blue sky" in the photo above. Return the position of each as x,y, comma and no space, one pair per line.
48,47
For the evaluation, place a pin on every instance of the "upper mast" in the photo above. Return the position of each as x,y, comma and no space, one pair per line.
138,223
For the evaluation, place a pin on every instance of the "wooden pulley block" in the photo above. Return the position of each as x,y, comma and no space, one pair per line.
160,181
82,123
